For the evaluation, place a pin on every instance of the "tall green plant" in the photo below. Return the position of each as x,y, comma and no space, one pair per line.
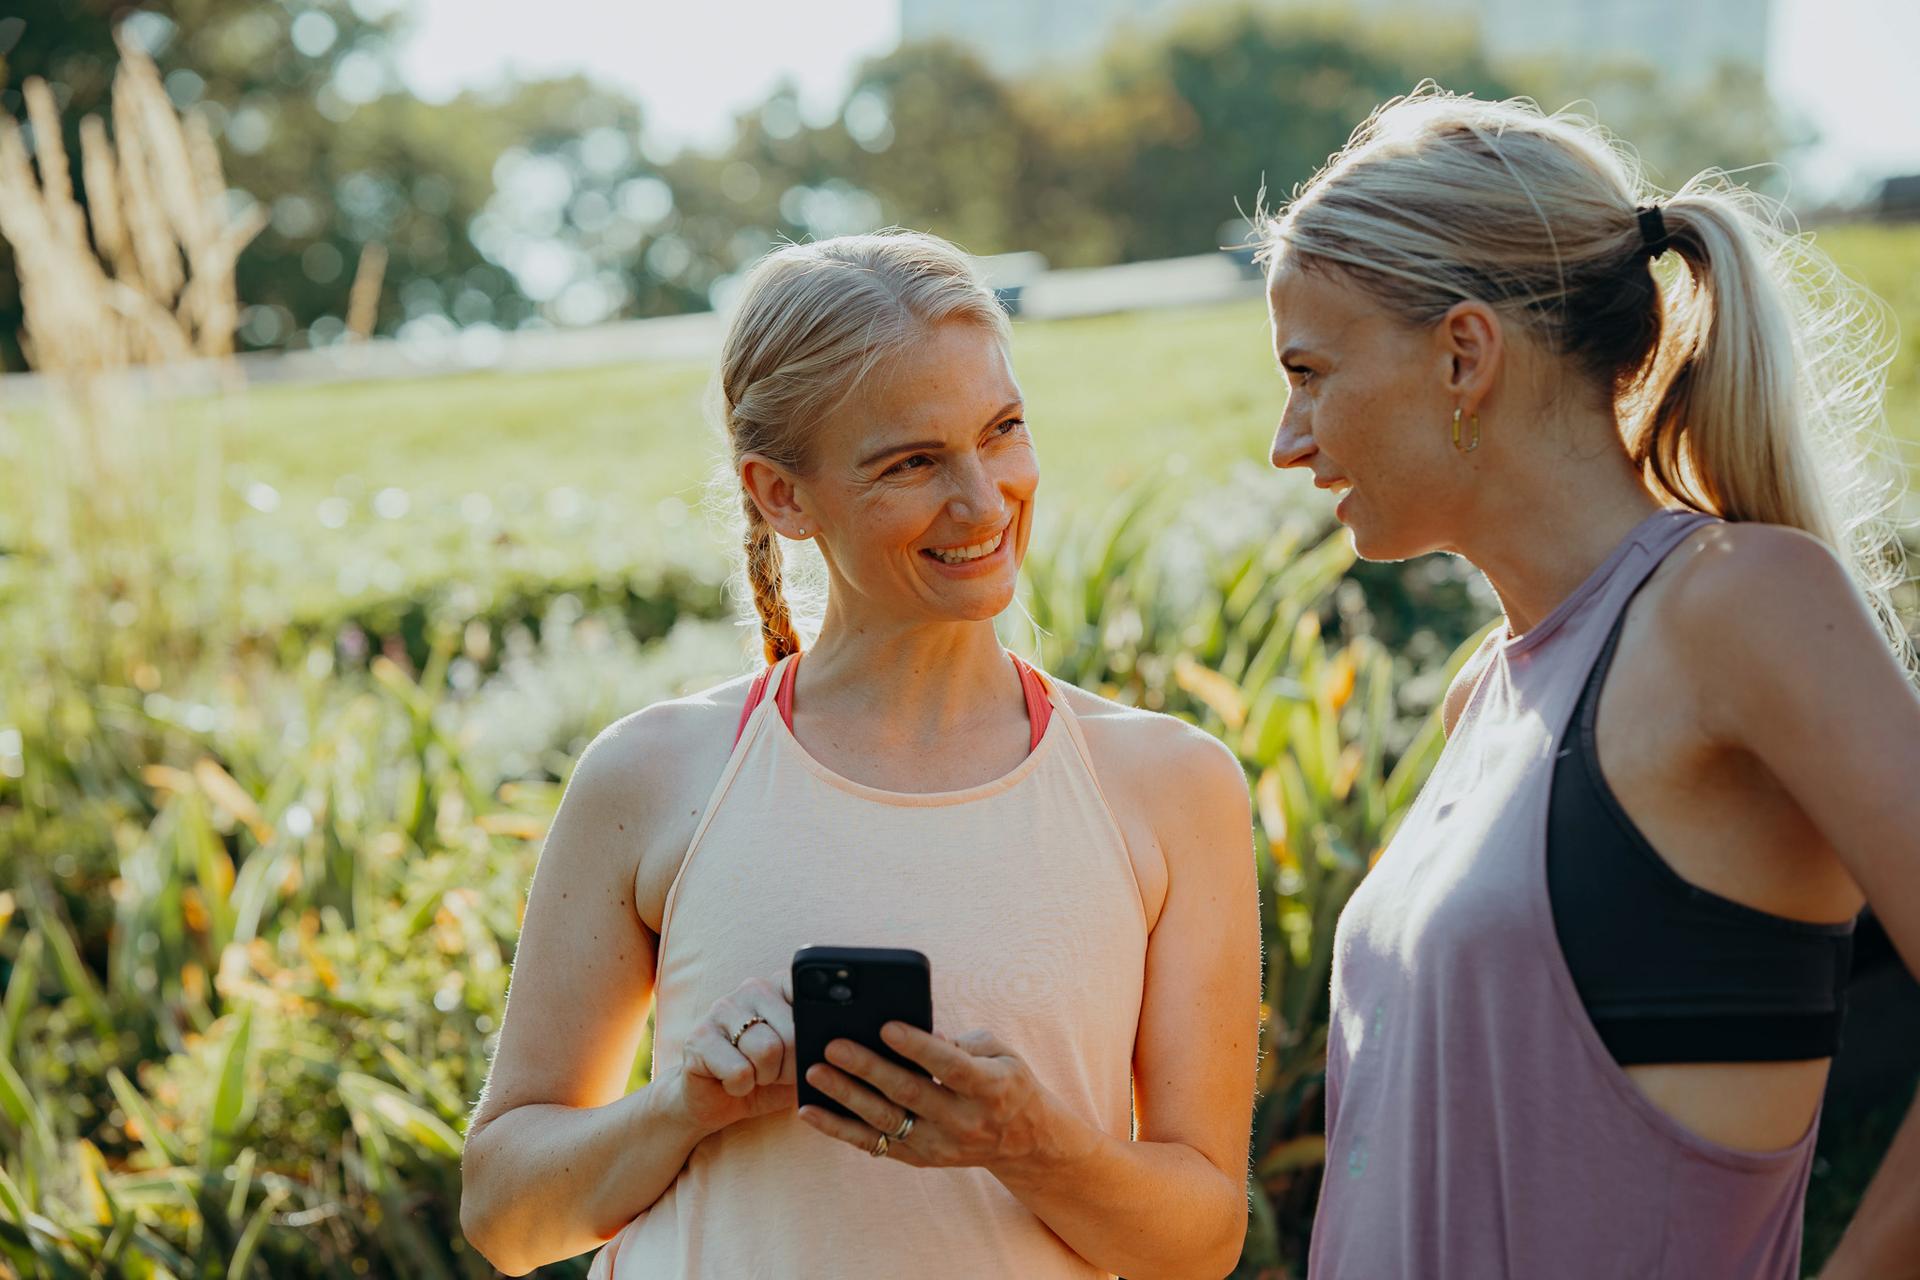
1234,639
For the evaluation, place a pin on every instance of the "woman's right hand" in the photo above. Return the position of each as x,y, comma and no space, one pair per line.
721,1083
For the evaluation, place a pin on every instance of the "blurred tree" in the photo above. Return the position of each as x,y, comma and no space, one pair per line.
1236,99
300,97
1726,121
540,203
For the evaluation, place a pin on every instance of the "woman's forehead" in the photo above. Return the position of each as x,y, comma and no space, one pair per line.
946,373
1312,308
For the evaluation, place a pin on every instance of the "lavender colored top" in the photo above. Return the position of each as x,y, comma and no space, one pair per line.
1476,1124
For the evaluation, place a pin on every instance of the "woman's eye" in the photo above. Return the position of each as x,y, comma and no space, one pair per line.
1010,426
907,464
1299,372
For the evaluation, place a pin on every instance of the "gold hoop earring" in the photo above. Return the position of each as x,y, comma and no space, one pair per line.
1472,444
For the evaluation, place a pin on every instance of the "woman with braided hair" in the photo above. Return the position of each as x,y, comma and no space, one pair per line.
1583,1005
1079,875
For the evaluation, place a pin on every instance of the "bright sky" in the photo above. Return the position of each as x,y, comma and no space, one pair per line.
1845,64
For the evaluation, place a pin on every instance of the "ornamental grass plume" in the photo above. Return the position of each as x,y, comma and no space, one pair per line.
116,499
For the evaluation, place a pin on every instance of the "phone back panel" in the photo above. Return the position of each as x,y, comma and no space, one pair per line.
880,985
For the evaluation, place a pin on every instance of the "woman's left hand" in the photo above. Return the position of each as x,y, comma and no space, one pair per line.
983,1107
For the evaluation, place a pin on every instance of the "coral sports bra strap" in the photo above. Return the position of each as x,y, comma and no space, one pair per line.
1039,705
1032,685
754,694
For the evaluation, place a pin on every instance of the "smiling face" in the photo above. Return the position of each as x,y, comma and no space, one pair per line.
1369,407
920,485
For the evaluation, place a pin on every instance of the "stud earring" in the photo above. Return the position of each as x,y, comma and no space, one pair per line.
1472,444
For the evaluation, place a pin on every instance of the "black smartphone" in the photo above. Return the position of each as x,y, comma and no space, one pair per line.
849,993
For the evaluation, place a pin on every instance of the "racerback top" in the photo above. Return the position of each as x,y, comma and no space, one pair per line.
1023,897
1477,1125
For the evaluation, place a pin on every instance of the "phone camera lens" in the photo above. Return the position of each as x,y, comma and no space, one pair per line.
840,991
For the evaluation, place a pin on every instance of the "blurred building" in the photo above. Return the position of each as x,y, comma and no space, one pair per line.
1016,36
1684,41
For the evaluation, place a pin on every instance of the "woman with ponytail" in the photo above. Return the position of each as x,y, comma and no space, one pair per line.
1079,875
1583,1006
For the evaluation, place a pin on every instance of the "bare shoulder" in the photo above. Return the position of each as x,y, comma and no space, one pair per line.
1743,609
644,780
1147,752
651,755
1178,793
1724,574
1739,593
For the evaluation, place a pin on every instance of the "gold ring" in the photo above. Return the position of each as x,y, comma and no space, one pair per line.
905,1128
880,1147
734,1039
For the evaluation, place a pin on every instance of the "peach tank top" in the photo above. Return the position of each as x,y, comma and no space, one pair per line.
1023,897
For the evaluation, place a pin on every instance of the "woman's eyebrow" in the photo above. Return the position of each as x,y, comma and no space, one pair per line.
932,446
920,446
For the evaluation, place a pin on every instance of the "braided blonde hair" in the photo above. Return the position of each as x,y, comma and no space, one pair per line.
812,321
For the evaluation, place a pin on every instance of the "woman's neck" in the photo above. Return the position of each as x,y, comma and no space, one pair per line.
922,680
1543,528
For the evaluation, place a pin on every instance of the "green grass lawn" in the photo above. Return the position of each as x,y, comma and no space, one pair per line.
1181,393
1188,392
608,461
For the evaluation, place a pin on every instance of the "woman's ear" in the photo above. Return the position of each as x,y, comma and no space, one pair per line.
1473,342
774,490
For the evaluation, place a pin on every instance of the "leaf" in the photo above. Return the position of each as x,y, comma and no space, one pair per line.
231,1098
23,1109
399,1115
249,1241
1273,817
219,786
93,1169
1303,1152
518,825
152,1136
22,989
73,971
1213,689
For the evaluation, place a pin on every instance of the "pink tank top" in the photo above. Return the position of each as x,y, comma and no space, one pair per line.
1476,1124
1023,897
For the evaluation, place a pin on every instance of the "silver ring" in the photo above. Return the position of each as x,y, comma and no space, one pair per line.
905,1128
880,1147
734,1039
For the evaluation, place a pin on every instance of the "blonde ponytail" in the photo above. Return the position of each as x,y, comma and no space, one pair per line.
1749,383
1764,396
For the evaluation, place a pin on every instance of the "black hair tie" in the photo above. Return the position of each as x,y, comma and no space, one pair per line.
1653,230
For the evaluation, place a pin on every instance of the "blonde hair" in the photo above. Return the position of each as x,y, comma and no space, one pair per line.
1748,385
812,321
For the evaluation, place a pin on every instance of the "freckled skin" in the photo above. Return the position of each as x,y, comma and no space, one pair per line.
873,506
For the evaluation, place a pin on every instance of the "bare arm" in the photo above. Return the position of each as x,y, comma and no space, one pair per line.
1793,670
1174,1201
556,1158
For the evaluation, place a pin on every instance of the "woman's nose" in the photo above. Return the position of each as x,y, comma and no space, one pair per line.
976,498
1290,447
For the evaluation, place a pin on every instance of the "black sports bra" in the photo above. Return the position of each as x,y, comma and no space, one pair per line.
1668,971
